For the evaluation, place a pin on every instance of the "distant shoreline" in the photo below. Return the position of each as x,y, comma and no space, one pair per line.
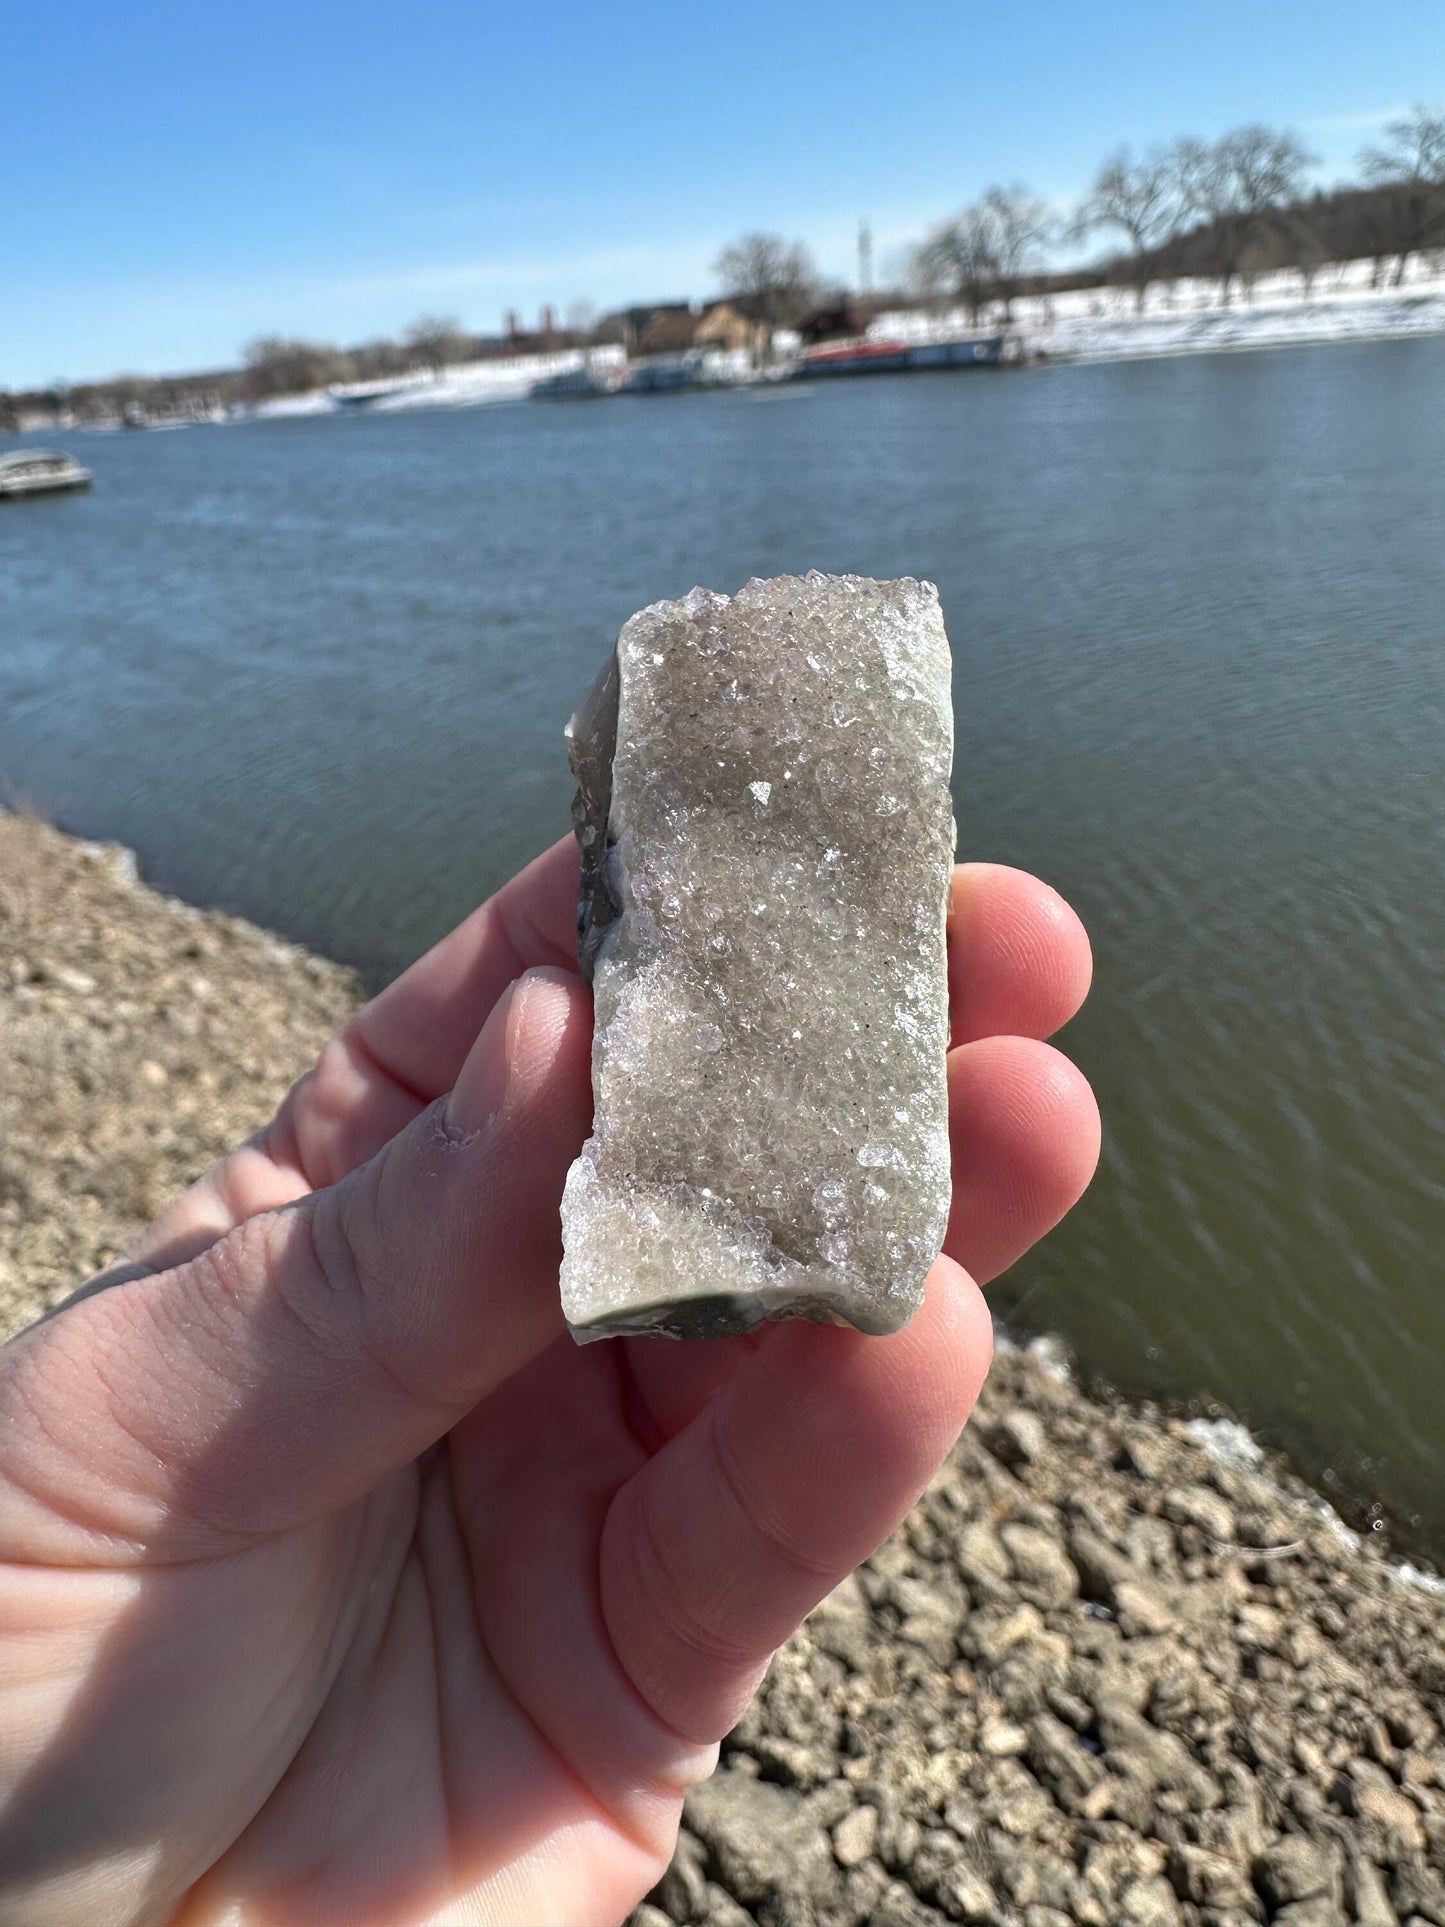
1179,318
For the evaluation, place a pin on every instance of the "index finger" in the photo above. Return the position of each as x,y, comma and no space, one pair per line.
420,1028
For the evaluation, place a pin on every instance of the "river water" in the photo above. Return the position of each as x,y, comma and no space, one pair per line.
315,671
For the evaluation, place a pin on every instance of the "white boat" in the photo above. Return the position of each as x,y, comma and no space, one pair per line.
365,394
40,471
578,384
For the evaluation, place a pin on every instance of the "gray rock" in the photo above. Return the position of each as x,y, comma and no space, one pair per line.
767,838
1322,1911
682,1890
1293,1869
855,1836
1042,1570
1211,1880
1018,1438
1142,1608
763,1844
1416,1888
1002,1739
1197,1505
792,1761
899,1906
1100,1566
829,1804
1061,1760
983,1561
968,1897
649,1916
1370,1793
930,1617
1150,1903
724,1911
1367,1895
863,1889
842,1623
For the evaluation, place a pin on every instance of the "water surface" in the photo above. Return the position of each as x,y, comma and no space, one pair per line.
315,672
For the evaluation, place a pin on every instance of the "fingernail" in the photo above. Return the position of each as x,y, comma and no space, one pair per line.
481,1088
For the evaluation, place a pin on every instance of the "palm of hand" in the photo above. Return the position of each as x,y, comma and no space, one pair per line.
469,1680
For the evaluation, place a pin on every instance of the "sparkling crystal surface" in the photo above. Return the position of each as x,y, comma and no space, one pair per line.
767,835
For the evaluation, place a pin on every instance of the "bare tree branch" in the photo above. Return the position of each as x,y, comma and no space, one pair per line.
776,277
1410,164
438,341
1143,199
985,250
1240,184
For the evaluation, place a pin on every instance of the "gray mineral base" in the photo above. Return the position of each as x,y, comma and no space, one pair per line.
767,838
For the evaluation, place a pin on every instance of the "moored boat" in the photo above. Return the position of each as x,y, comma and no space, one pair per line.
896,357
856,358
578,384
365,394
40,471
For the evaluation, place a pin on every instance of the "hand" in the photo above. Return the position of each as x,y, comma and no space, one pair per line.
341,1586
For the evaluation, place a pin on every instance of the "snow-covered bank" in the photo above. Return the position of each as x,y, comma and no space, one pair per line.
504,378
510,378
1340,303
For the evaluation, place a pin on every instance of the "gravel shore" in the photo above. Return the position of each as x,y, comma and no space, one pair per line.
1111,1670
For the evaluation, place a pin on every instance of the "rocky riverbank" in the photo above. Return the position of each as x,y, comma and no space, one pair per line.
1111,1670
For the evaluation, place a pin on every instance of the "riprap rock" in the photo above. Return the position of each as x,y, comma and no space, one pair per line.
767,836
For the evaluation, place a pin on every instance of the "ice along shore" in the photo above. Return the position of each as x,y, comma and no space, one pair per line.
1111,1669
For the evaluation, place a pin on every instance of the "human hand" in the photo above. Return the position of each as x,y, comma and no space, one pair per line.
339,1585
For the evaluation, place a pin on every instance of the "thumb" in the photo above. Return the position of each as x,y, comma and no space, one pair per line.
286,1370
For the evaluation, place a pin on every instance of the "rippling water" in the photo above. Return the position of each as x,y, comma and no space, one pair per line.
316,671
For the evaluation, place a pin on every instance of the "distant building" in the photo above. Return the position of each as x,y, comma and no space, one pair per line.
667,331
840,317
722,326
674,327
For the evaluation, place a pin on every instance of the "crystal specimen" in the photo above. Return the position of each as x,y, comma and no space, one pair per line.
766,831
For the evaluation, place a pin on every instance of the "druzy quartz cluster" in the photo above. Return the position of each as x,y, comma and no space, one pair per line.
766,829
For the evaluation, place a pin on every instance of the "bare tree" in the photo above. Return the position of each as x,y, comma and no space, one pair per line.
437,341
276,365
1142,199
1021,227
1306,242
959,259
985,250
1410,162
1240,184
775,277
379,358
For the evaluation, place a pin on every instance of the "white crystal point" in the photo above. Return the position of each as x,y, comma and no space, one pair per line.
767,838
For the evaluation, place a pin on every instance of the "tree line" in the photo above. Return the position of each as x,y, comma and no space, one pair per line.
278,365
1227,210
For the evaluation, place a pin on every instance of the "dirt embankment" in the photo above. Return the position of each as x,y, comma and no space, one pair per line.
1102,1675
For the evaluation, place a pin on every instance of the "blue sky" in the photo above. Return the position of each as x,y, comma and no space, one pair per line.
176,178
